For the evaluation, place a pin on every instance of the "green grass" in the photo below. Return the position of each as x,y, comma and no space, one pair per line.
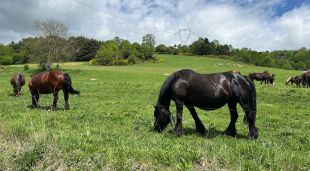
110,125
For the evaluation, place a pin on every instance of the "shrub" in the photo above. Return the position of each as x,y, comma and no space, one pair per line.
26,67
132,59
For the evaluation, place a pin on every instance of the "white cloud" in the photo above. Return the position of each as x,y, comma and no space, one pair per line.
242,23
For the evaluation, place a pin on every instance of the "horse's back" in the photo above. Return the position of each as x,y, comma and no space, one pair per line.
206,90
46,82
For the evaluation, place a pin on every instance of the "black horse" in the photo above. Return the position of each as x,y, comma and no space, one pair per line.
207,92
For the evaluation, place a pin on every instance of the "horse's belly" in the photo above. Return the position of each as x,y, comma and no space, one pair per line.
207,105
43,90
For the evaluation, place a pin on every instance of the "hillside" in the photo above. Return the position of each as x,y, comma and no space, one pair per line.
110,125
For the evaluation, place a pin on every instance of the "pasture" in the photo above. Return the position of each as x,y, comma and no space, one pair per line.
109,127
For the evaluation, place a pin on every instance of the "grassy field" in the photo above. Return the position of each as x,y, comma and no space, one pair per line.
109,127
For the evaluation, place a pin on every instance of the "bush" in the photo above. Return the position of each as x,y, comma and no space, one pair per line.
26,67
93,62
132,59
5,60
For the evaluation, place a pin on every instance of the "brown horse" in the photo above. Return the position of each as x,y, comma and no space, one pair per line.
17,81
51,82
263,77
306,78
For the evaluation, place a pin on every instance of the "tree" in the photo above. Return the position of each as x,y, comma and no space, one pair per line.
125,49
198,47
148,43
52,46
161,49
83,48
6,54
108,53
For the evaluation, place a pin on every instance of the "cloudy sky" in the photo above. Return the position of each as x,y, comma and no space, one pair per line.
256,24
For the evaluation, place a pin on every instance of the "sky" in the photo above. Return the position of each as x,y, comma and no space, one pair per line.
256,24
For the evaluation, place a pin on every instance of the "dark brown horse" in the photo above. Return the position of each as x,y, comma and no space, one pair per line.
270,79
17,81
51,82
263,77
306,78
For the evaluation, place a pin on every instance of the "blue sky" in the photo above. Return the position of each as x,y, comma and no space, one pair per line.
288,5
256,24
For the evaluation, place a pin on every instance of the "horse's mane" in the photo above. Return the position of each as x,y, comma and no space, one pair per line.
165,87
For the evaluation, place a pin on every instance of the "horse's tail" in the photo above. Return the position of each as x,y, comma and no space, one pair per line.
68,84
252,98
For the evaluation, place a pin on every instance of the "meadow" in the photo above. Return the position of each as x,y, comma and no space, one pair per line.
109,127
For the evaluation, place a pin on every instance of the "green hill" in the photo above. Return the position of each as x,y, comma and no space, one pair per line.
110,125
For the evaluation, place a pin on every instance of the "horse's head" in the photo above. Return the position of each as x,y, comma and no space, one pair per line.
162,118
18,84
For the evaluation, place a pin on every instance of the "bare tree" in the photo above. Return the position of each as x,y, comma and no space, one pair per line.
52,45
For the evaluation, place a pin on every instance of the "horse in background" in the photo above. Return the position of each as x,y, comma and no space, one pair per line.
270,79
263,77
51,82
17,81
306,78
208,92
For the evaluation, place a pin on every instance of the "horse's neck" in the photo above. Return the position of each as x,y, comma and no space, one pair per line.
164,100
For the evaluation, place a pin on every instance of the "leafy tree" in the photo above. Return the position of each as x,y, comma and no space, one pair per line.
108,53
198,47
125,49
148,43
6,54
161,49
83,48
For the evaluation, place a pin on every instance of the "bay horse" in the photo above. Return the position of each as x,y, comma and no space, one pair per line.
17,81
263,77
51,82
207,92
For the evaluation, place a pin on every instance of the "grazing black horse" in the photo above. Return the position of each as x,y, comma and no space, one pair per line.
207,92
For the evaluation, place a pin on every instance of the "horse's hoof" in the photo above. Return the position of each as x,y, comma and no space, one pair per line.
178,133
230,132
201,131
253,135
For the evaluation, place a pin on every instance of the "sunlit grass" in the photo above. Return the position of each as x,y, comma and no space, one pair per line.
110,125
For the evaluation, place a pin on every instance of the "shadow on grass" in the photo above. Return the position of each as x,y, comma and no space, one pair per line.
209,134
45,108
14,95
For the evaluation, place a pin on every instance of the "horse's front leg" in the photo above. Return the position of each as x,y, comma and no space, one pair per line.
178,125
199,125
55,95
35,99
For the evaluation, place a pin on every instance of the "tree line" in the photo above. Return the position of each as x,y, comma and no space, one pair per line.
54,45
285,59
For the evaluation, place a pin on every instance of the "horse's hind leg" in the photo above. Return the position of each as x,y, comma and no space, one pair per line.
199,126
54,105
66,97
231,129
